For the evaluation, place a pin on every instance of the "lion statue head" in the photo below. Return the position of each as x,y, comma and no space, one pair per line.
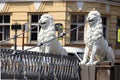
45,21
93,17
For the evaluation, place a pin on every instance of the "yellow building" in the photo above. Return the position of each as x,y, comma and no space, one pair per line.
69,13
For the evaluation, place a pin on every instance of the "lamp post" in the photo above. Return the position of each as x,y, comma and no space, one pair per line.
15,27
24,27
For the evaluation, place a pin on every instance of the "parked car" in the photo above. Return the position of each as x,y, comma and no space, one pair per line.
75,51
72,51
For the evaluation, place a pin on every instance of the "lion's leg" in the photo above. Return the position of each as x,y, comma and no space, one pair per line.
47,49
91,61
64,52
110,55
85,57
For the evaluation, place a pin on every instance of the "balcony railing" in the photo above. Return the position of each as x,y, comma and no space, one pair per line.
36,65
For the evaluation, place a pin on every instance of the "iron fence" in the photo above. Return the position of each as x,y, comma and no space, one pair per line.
36,65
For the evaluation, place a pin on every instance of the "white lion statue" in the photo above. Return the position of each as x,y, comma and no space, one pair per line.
95,44
47,33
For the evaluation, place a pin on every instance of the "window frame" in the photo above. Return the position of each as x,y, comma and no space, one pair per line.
77,24
33,24
105,26
3,24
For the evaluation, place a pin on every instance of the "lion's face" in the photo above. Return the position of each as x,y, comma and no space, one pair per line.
93,16
45,20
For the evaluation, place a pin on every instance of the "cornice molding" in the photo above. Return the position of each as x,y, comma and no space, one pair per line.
116,3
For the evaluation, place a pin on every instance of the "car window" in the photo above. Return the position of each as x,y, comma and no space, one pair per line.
80,54
71,54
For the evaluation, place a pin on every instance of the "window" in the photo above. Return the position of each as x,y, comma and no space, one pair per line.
4,27
34,21
118,30
104,22
77,34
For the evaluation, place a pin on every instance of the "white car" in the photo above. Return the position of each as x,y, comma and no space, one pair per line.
75,51
72,51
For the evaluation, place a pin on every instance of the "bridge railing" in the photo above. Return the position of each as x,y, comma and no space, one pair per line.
36,65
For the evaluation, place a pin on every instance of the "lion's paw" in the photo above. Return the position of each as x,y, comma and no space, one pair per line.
82,63
89,64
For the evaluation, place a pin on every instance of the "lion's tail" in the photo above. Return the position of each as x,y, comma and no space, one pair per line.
111,55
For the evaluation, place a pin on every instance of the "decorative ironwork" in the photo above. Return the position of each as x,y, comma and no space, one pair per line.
36,65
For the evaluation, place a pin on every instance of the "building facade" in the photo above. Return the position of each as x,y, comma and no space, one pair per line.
70,13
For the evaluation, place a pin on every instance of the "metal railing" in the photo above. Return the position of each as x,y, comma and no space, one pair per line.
36,65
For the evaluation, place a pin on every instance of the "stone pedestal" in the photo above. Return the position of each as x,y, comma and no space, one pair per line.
102,71
87,72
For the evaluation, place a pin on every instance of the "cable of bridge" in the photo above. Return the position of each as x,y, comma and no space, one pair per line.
40,44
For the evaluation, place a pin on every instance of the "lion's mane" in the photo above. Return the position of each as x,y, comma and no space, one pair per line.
93,33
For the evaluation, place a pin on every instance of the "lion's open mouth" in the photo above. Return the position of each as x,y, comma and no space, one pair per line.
43,23
91,20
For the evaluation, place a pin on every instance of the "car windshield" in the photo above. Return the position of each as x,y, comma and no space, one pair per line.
80,54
